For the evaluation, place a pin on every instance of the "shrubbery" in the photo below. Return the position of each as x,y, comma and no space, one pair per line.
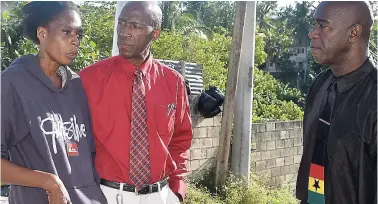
237,192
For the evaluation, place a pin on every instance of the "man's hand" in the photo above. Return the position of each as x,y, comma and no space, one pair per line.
56,191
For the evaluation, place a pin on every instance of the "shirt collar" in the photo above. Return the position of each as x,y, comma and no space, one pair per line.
347,81
130,68
62,71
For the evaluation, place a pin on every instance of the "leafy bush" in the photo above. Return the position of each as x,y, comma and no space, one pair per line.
211,54
273,100
236,192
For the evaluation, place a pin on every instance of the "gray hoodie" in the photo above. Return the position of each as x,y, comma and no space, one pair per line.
48,129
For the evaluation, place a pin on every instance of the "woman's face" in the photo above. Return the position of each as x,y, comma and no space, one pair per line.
61,39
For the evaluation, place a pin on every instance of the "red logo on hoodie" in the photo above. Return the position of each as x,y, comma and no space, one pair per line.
72,149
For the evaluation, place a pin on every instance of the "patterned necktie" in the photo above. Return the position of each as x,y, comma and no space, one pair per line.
139,154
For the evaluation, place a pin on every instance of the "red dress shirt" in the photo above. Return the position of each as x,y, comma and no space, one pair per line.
108,85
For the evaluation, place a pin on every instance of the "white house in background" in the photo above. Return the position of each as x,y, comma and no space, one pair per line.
299,57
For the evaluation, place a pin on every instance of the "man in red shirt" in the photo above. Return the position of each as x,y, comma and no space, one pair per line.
140,115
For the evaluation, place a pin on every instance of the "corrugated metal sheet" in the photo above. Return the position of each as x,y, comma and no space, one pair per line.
192,72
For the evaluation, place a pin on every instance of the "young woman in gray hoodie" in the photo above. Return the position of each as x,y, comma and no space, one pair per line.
47,146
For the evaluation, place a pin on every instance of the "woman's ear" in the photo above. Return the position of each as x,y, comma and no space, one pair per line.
41,34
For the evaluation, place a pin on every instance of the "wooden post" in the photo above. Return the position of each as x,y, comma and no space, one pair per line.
183,68
241,141
232,78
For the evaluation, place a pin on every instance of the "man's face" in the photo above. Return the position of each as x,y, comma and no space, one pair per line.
329,37
135,32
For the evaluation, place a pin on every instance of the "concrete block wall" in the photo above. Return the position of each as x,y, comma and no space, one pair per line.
277,151
204,144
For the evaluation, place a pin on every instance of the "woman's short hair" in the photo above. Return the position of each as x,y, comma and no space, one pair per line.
41,13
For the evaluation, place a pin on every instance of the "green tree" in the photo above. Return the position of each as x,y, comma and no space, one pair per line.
212,54
268,99
98,23
13,45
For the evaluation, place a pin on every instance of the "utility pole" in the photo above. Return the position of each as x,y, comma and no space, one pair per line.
232,79
241,142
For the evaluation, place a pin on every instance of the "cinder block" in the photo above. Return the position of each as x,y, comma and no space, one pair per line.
300,150
206,122
293,151
260,165
270,163
288,125
271,145
198,154
206,142
297,159
213,131
300,132
254,137
284,170
267,136
261,146
199,132
280,144
217,121
280,126
285,152
289,143
265,155
211,152
253,166
276,171
195,144
264,173
297,142
275,154
260,136
254,127
270,126
261,127
272,181
280,180
216,142
284,134
293,133
289,160
256,156
289,178
298,124
194,165
275,135
203,162
294,168
280,162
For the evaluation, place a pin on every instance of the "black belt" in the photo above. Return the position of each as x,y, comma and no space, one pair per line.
147,189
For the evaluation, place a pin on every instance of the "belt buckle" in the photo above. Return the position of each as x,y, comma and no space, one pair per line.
158,184
136,191
149,188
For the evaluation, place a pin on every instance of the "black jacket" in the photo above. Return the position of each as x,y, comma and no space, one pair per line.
352,141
